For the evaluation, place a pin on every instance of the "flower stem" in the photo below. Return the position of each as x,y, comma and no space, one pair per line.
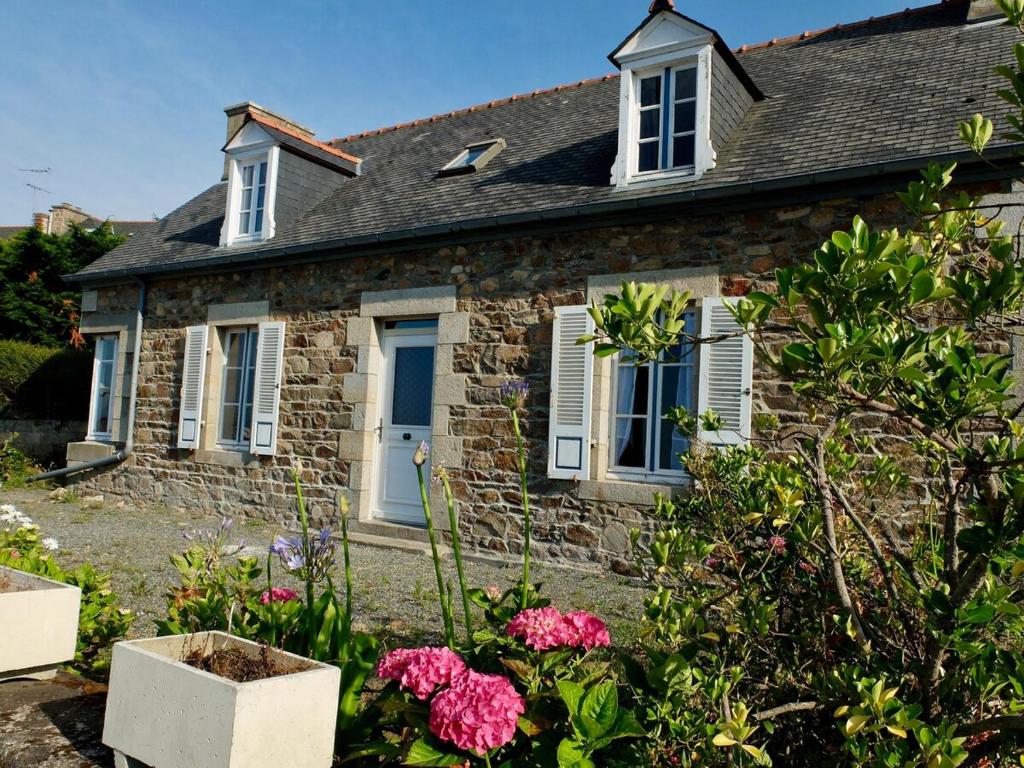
347,632
306,552
526,507
449,625
457,551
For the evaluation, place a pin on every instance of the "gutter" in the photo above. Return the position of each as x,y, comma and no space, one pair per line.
129,445
652,202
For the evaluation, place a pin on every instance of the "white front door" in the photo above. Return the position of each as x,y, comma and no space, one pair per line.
406,406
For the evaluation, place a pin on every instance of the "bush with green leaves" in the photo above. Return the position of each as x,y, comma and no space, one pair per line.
840,596
15,466
101,620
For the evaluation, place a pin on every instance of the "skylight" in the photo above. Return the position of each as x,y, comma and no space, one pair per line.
474,157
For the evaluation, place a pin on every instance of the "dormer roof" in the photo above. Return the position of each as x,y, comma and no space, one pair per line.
312,149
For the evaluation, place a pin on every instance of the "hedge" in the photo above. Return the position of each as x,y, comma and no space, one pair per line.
44,383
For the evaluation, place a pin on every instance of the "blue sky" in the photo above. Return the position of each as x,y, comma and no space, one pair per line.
123,100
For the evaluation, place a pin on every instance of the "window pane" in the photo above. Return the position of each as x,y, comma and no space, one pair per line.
229,423
683,151
473,155
243,223
686,117
413,386
672,445
263,173
261,194
649,123
686,84
105,349
235,350
649,156
102,425
232,385
106,375
258,224
650,91
247,176
246,199
631,443
631,392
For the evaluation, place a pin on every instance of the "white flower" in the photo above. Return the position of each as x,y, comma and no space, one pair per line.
50,543
8,509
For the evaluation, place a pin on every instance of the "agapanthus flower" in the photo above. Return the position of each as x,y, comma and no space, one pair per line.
278,595
588,630
312,565
477,713
421,670
419,458
513,393
777,545
50,544
215,540
541,628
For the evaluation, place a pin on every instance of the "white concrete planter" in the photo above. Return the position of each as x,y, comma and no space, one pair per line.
38,624
165,713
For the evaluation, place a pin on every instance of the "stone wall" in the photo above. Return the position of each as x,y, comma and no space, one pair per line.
43,441
509,289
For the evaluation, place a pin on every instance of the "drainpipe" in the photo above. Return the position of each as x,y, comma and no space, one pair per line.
129,445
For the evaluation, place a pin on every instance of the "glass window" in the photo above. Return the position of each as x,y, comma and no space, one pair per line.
470,158
103,386
648,158
644,440
667,131
238,379
413,386
254,195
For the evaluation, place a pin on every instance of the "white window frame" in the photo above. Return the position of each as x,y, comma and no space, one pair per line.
94,390
252,338
636,474
626,173
231,233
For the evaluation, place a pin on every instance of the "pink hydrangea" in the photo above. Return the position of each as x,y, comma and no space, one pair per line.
541,628
588,631
278,595
478,713
421,670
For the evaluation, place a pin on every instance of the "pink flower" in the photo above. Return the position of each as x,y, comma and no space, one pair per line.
278,595
421,670
777,545
541,628
588,631
478,713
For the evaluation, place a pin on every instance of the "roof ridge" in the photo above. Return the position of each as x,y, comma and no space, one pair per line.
314,142
477,108
591,81
848,25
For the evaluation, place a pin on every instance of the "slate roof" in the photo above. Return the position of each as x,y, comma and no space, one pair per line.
863,99
317,151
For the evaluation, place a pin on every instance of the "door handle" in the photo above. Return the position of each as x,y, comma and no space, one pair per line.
406,436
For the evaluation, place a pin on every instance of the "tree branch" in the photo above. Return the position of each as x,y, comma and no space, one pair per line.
878,406
998,723
787,709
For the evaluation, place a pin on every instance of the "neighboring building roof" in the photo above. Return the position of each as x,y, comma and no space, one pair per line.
6,232
876,97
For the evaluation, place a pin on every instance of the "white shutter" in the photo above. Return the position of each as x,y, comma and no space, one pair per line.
726,375
193,378
266,399
572,367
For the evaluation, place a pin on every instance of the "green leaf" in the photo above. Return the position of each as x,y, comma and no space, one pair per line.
571,694
422,753
922,286
571,755
843,241
601,706
981,614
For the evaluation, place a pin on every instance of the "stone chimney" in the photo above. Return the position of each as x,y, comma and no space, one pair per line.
983,10
63,215
41,221
236,117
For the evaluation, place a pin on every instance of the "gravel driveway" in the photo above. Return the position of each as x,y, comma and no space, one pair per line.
394,591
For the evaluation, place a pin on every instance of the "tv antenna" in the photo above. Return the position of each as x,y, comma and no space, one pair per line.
35,191
34,170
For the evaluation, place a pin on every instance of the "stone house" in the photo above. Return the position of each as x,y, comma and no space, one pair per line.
339,301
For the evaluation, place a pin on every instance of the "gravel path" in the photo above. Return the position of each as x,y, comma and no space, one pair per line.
394,591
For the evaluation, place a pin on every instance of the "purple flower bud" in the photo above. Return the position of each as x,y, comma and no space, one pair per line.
422,452
513,393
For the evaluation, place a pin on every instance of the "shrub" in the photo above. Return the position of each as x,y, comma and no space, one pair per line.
15,466
43,382
101,621
18,361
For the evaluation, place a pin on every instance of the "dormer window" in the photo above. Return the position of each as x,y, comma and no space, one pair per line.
667,107
474,157
254,198
668,110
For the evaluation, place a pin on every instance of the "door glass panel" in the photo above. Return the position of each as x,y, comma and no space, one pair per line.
413,386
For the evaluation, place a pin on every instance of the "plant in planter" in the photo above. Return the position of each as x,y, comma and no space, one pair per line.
100,620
